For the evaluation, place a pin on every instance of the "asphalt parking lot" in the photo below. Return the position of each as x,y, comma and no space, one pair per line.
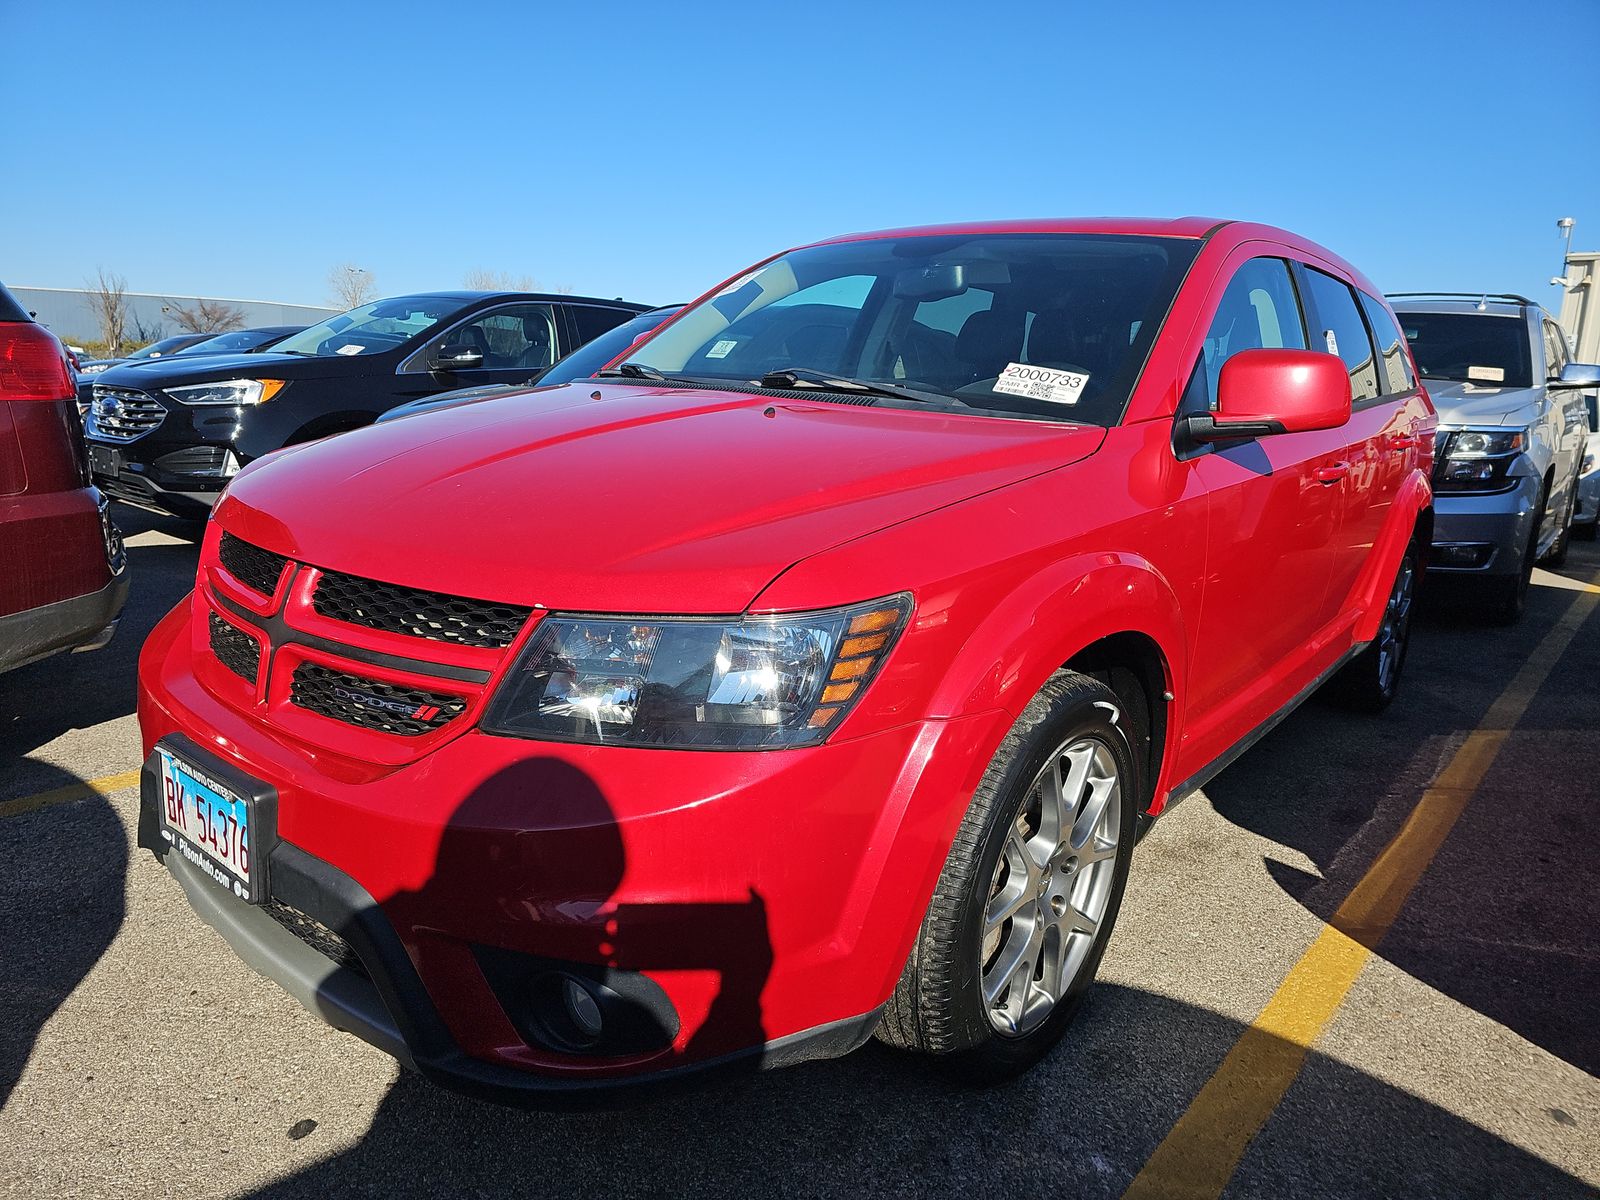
1287,1006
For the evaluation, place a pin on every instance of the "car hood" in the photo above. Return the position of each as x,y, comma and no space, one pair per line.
621,498
1475,404
175,370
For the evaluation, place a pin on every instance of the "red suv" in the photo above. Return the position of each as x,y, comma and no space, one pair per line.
808,675
62,580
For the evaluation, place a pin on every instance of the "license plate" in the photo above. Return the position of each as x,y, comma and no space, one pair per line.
209,823
103,460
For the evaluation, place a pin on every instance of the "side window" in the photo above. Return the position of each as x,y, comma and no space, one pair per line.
1391,347
1342,331
517,337
1259,311
1555,350
592,320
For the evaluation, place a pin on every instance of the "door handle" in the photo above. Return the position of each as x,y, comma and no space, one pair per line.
1332,473
1402,441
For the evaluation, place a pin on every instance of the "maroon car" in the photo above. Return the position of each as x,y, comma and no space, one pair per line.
62,568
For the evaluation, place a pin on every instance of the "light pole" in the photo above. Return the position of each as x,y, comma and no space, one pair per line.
1564,228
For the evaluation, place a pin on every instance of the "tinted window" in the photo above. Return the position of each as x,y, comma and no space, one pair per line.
946,314
1342,331
593,321
591,356
170,345
1396,368
1470,347
1258,311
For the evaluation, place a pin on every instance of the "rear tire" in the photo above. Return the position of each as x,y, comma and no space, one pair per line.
1369,681
1029,892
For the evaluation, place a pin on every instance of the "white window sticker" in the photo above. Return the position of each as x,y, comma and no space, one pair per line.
1486,374
1333,342
351,348
723,348
1041,383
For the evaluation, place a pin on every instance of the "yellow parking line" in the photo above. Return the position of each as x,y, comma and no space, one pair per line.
1199,1155
73,791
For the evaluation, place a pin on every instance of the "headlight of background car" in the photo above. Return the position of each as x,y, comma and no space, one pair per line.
1478,460
95,368
229,391
762,683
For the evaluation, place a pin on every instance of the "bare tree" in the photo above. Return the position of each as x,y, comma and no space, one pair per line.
207,316
351,286
108,301
481,279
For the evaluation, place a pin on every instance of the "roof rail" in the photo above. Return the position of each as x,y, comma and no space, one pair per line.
1479,296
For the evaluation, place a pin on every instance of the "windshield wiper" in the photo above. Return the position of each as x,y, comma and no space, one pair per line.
795,377
632,370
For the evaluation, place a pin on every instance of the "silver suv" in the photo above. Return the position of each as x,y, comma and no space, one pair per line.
1512,428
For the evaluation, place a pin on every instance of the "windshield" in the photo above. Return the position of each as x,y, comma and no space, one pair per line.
244,339
372,328
1481,348
591,356
169,345
1051,326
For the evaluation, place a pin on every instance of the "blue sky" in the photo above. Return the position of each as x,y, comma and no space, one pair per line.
650,150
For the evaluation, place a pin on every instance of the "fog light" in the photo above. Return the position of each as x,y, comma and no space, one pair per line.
583,1010
1462,554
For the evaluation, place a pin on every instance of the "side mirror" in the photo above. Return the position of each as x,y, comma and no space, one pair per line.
1576,375
460,356
1262,392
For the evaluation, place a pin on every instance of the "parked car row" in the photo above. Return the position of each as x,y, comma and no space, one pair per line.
187,345
802,664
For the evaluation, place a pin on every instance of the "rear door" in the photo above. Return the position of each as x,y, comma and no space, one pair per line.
1273,528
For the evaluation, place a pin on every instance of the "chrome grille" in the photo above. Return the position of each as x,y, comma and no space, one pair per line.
122,414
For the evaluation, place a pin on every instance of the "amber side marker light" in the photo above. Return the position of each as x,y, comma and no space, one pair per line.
866,641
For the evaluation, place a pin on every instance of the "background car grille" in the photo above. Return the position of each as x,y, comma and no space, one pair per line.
252,566
431,615
208,461
122,414
316,935
370,704
235,649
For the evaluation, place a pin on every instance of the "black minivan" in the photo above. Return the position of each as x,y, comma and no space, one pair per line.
169,434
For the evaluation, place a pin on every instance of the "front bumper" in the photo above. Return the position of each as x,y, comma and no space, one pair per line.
1483,534
770,898
155,485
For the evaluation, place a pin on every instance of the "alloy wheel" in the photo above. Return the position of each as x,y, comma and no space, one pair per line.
1051,886
1396,625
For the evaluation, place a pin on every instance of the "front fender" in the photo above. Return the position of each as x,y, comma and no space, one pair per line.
1053,615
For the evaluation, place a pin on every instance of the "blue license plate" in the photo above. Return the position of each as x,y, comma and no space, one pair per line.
209,823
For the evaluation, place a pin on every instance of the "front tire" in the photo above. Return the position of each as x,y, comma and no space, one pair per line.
1029,892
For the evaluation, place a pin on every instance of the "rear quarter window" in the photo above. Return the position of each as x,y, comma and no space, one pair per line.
1397,375
1340,330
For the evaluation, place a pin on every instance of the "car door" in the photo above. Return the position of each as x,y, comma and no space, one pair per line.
1274,522
1573,409
1374,441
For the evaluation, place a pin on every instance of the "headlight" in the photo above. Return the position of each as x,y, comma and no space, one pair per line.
1478,460
762,683
94,368
237,392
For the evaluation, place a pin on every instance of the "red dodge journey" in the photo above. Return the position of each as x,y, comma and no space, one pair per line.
807,675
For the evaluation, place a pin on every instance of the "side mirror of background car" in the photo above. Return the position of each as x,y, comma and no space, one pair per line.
1576,375
461,356
1262,392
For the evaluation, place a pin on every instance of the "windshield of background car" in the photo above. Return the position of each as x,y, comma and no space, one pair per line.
243,340
1480,348
169,345
1041,326
592,355
372,328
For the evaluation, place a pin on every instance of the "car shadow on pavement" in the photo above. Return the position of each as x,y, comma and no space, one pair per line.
64,866
1500,919
39,703
884,1124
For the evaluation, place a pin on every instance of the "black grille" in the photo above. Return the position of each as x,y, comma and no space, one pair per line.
251,565
206,461
316,935
408,712
235,649
431,615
